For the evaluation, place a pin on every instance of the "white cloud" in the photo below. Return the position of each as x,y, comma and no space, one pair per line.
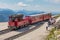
43,8
29,7
3,5
29,0
53,1
17,6
57,1
21,4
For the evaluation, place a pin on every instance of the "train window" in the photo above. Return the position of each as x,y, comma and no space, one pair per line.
17,17
36,17
12,19
33,18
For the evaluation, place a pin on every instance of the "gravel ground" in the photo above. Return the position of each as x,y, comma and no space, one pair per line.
3,25
38,34
12,33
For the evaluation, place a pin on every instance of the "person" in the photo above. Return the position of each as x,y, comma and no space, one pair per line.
51,21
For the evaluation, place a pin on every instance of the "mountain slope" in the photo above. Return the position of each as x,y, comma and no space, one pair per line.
5,13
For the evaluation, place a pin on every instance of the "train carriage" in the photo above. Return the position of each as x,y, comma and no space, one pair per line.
47,16
36,18
17,20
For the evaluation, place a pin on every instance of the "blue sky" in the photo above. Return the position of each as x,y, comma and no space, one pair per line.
42,5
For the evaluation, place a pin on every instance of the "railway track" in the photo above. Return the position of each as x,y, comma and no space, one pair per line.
10,35
25,32
20,34
4,31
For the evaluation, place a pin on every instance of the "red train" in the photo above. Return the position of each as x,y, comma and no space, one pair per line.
18,20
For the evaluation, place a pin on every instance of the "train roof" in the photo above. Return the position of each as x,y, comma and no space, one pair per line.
17,15
39,14
35,14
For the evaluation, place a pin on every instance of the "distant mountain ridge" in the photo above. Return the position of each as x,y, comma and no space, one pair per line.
5,13
25,12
